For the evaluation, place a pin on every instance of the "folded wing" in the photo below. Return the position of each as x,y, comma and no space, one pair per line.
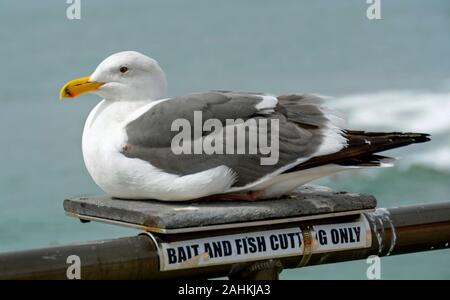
305,130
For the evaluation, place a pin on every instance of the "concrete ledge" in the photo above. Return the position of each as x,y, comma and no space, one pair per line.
151,214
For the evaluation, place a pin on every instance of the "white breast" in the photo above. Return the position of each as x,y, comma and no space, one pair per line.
102,141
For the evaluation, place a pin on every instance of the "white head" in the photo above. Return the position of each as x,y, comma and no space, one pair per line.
124,76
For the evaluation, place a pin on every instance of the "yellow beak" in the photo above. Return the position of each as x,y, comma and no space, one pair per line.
77,87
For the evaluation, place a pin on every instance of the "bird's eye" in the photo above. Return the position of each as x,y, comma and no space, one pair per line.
123,69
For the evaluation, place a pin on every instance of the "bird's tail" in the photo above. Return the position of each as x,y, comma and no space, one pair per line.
362,148
382,141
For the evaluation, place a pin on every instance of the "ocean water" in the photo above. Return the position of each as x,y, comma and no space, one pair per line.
389,74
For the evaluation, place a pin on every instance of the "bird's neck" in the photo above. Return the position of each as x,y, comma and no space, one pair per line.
109,112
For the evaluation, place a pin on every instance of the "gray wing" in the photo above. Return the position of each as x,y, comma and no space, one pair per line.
303,126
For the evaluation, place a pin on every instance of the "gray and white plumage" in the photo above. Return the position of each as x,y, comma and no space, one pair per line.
150,135
127,138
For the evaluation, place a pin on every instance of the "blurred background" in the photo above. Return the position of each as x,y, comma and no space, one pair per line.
388,74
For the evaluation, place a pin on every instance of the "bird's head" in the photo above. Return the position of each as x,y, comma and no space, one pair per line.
122,76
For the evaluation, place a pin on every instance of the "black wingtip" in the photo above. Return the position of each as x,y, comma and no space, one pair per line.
418,137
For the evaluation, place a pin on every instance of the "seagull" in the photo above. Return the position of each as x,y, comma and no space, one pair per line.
133,150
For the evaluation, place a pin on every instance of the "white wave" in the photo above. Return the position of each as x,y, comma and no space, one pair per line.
414,111
398,110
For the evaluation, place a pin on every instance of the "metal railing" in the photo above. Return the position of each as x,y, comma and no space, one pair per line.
394,231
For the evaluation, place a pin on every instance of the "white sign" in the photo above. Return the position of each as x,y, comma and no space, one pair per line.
261,245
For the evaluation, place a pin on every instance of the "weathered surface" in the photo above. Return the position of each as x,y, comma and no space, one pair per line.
306,201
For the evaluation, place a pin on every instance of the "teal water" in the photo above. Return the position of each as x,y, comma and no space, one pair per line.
399,63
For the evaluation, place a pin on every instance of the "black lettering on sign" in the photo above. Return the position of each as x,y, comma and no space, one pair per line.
218,249
343,233
208,250
252,245
292,238
273,242
357,230
244,242
346,235
227,250
261,243
297,234
350,235
334,236
182,253
284,241
172,257
238,246
322,237
195,249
